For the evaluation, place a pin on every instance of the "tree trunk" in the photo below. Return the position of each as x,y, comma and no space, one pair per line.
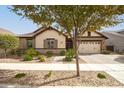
5,53
76,53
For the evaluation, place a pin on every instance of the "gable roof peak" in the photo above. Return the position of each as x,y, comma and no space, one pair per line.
40,30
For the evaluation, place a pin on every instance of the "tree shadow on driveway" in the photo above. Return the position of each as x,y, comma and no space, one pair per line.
120,59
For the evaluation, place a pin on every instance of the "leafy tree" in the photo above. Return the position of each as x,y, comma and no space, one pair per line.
73,20
8,42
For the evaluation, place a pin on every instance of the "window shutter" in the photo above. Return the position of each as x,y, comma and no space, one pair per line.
56,43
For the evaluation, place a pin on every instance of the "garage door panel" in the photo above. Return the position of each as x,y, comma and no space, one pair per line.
89,47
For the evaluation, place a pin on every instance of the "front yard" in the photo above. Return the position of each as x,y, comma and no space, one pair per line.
57,78
32,56
48,60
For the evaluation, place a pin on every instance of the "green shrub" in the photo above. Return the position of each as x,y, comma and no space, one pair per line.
27,58
101,76
20,75
31,52
48,75
38,53
12,52
19,52
42,58
69,55
68,59
49,53
62,53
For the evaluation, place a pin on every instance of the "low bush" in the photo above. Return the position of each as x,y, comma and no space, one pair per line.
48,75
38,53
49,53
27,58
12,52
20,75
101,76
62,53
68,59
69,55
42,58
19,52
31,52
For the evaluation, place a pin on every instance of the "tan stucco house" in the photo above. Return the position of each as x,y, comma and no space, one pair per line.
50,39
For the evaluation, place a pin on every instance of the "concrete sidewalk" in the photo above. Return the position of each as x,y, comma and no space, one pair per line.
115,70
55,66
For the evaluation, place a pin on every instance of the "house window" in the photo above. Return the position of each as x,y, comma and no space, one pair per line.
89,33
29,43
50,43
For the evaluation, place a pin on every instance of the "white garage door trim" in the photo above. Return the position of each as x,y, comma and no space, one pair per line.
89,47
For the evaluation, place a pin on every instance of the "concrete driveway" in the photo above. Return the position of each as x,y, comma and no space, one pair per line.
103,59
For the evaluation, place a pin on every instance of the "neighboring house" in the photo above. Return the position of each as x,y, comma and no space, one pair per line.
115,41
121,32
50,39
4,32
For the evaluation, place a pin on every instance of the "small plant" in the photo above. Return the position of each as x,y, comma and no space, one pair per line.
27,58
31,52
62,53
69,55
38,53
19,52
20,75
101,76
49,53
42,58
48,75
68,59
12,52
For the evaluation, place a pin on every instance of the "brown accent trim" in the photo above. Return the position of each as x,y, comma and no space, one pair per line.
50,28
90,37
97,33
90,40
27,37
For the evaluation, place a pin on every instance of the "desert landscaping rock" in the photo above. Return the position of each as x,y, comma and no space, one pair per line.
58,78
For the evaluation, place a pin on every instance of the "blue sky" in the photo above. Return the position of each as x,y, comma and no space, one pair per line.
14,23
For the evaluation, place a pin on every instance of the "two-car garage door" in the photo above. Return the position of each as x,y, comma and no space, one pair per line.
89,47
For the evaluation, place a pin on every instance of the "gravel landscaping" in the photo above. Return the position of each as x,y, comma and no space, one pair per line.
57,78
48,61
13,60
